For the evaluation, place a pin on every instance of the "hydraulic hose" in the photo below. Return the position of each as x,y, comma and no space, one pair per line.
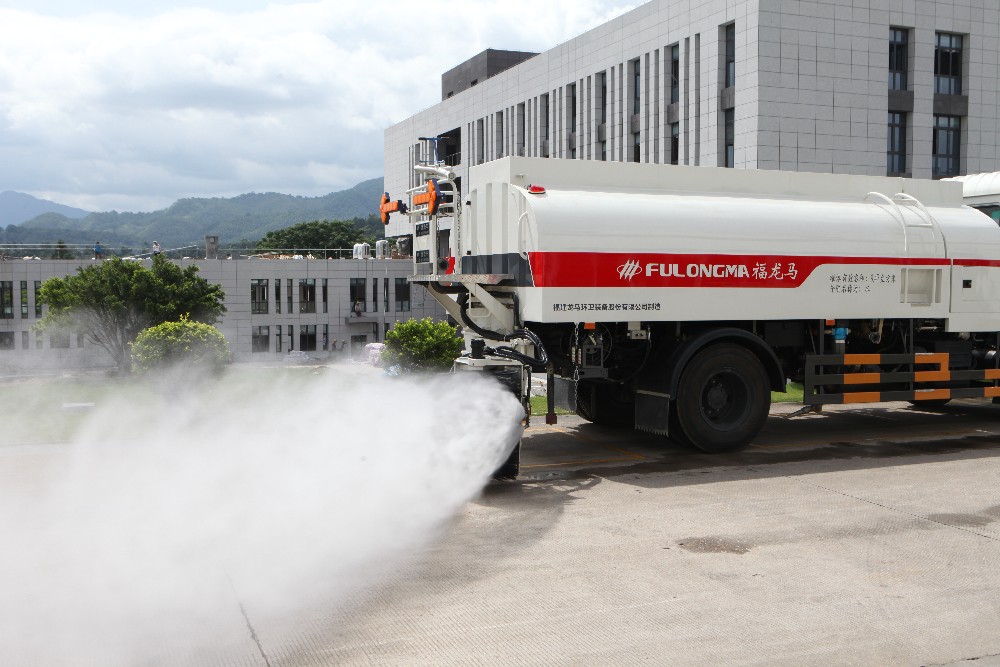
539,362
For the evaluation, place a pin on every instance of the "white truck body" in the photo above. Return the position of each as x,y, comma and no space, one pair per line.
675,299
679,243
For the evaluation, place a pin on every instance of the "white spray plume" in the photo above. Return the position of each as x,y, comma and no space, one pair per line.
164,517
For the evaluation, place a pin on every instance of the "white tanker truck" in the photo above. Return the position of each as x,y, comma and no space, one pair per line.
675,299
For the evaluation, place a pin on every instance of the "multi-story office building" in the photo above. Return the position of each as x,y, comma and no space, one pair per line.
323,308
898,87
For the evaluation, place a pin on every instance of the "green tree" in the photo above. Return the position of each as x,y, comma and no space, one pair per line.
317,234
422,346
62,251
112,301
194,344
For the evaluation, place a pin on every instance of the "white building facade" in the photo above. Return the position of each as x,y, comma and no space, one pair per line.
876,87
325,309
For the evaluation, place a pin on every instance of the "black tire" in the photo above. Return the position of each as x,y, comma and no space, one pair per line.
605,403
510,378
511,467
723,399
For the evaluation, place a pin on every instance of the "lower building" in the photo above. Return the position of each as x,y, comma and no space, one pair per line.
323,308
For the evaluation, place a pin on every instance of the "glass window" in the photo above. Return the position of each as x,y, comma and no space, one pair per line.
730,55
896,149
6,340
24,298
898,58
374,295
385,296
326,336
948,64
325,295
358,303
289,297
730,130
636,147
277,338
307,295
258,295
277,299
291,337
945,146
59,339
7,299
24,340
307,337
38,302
260,339
675,73
571,95
543,118
402,295
636,87
602,101
675,133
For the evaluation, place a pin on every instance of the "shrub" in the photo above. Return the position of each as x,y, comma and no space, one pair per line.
184,342
422,346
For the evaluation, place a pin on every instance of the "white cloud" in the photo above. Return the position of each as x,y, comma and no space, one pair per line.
104,108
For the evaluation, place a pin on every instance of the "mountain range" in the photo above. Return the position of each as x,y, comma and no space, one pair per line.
17,207
186,221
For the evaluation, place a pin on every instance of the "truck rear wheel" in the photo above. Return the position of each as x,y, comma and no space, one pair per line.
723,399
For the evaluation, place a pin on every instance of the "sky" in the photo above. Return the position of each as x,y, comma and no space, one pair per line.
128,106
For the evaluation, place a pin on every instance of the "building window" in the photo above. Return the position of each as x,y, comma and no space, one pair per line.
59,340
38,301
258,296
24,298
675,73
730,75
24,340
307,295
325,295
602,101
543,118
945,146
385,295
402,295
291,337
289,297
307,338
277,339
6,340
636,87
730,137
79,339
675,142
260,339
898,58
948,64
896,150
277,298
519,139
7,299
358,302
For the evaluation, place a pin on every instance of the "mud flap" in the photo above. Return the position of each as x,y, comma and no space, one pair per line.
652,412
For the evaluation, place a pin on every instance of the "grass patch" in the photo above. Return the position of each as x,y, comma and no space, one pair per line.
793,395
539,407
